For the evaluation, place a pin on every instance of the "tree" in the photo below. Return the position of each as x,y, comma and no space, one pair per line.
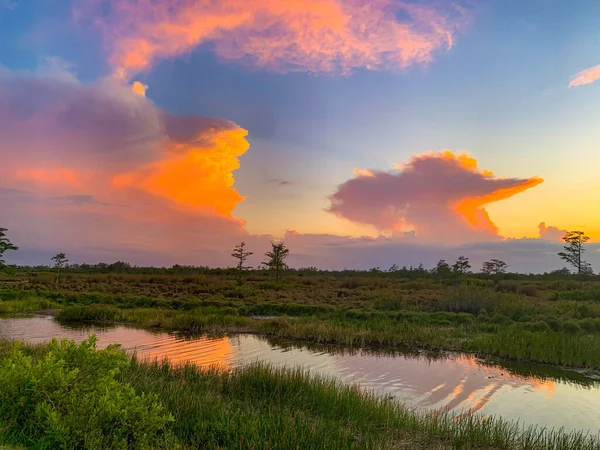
240,253
573,251
442,268
5,245
60,260
277,257
494,267
461,266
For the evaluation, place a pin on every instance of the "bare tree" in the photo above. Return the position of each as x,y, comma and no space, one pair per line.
573,251
240,253
60,260
5,245
277,257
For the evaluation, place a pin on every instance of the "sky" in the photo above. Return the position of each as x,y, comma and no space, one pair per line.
363,133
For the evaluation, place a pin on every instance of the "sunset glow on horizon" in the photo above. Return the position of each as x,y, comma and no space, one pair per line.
164,132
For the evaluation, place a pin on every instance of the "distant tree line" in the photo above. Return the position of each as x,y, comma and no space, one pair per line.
572,254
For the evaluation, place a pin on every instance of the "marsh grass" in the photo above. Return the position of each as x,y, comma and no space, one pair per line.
546,321
257,406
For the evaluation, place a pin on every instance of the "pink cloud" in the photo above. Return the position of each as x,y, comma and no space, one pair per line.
101,166
551,233
279,35
439,195
586,76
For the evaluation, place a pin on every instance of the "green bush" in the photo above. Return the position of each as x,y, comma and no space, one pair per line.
471,299
500,319
93,313
588,325
570,326
69,398
530,290
535,326
390,304
554,324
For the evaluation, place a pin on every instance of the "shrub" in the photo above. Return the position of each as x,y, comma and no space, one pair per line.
588,325
508,286
539,326
94,313
554,324
471,299
500,319
525,318
70,398
530,290
570,326
390,304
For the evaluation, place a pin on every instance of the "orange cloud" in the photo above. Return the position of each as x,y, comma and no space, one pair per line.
53,176
104,157
586,77
362,173
194,176
280,35
439,195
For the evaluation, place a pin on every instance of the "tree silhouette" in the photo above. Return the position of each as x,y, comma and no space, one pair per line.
240,253
573,251
442,268
494,267
461,266
60,260
277,257
5,245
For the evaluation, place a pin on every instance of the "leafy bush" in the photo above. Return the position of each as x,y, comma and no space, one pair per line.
95,313
554,324
535,326
471,299
588,325
530,290
390,304
70,398
570,326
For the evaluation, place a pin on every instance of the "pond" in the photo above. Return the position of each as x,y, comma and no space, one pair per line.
457,382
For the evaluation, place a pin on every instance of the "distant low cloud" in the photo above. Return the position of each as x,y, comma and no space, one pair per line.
278,35
551,233
439,195
280,182
329,251
586,77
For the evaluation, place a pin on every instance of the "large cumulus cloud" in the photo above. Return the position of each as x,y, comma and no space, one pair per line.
100,166
438,195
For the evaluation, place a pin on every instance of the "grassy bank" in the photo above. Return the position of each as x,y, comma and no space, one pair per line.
547,321
65,396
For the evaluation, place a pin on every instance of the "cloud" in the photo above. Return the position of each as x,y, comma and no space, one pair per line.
101,163
551,233
439,195
279,35
586,77
280,182
329,251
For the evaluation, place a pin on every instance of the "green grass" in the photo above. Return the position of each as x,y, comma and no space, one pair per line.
244,408
532,319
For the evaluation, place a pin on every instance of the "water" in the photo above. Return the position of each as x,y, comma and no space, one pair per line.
456,382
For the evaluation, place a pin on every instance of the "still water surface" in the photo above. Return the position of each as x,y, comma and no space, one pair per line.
455,381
